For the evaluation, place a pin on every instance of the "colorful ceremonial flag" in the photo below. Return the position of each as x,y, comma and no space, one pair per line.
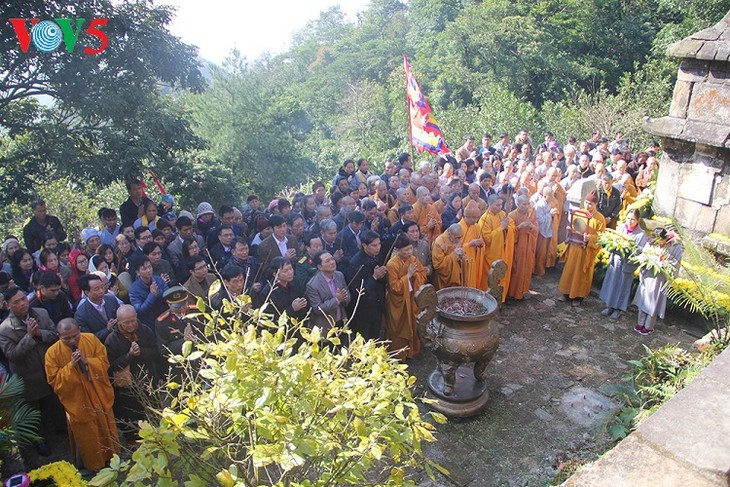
424,131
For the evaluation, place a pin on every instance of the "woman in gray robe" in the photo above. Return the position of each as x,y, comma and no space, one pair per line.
620,273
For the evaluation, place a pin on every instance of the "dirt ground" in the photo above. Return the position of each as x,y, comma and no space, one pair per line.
549,390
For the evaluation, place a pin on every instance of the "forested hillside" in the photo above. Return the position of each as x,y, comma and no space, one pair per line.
260,125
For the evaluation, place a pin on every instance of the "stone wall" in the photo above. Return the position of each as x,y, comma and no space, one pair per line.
693,186
694,175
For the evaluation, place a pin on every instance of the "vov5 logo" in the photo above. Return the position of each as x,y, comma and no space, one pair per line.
47,35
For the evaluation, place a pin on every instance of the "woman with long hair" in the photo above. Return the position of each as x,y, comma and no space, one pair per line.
453,211
49,263
23,267
79,261
107,253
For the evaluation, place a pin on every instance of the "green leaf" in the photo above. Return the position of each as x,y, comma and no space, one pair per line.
187,348
617,431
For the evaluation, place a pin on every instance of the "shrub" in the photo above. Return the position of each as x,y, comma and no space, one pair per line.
271,404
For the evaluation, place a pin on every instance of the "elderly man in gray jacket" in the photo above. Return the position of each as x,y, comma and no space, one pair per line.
327,293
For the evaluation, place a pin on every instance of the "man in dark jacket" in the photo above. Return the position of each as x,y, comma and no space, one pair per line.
50,297
98,312
349,236
609,200
367,272
34,232
131,209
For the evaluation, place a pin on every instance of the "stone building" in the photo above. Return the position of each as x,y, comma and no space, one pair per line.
693,184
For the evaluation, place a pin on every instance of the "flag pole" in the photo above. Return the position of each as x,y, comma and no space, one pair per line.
406,70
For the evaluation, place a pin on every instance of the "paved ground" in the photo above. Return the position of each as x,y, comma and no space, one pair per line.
545,382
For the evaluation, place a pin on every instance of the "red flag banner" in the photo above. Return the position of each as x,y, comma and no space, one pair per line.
424,131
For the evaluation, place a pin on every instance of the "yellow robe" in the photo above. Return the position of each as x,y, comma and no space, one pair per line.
92,429
524,257
424,213
483,207
577,274
473,263
499,244
446,265
393,213
400,307
628,195
439,206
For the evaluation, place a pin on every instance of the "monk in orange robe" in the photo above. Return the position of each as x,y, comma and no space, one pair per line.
78,370
446,257
498,232
473,195
526,230
575,282
402,199
405,276
473,268
427,218
444,198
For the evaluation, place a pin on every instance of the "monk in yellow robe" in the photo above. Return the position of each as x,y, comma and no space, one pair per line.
446,257
78,370
405,276
427,218
498,232
629,191
526,229
473,268
575,282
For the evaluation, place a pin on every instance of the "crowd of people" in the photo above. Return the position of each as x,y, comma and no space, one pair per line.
81,323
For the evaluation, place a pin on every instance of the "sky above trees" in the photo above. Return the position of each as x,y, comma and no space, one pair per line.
217,26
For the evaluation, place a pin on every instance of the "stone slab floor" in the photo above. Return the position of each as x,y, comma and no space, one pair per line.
550,390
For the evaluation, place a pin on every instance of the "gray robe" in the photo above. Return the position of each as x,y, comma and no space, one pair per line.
650,297
616,286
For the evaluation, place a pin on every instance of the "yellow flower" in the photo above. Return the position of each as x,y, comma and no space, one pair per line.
562,247
62,473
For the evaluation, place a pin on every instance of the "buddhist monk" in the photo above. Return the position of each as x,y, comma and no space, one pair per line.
473,267
473,195
405,276
428,219
526,230
444,198
498,232
575,282
446,256
78,370
402,199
